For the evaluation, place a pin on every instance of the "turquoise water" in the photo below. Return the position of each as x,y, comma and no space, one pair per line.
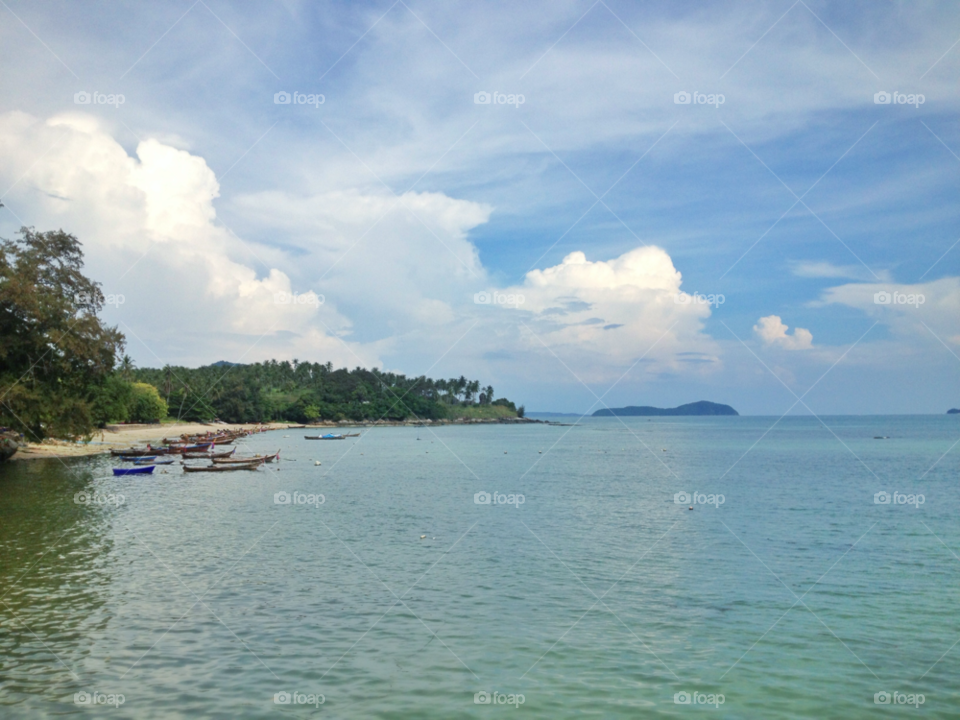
597,596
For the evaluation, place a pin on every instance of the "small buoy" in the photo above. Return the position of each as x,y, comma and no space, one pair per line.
423,537
504,452
316,462
539,452
690,508
663,449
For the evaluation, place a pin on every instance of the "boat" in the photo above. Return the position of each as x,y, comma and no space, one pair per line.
328,436
143,461
255,458
145,470
137,458
208,455
222,468
352,435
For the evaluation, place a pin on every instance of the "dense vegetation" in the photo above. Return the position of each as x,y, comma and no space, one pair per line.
56,356
63,372
304,391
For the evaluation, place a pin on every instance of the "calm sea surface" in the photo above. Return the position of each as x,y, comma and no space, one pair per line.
598,596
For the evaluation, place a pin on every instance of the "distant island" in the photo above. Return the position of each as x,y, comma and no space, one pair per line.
697,408
953,411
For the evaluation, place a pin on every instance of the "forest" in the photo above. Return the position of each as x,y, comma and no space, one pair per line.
305,391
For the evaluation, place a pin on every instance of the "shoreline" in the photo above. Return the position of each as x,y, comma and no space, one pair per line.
114,437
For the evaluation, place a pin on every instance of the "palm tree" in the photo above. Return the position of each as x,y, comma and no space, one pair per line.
126,368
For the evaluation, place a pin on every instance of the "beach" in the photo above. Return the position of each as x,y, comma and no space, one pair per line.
123,436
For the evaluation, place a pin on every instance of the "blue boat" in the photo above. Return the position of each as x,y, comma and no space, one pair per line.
137,458
146,470
147,461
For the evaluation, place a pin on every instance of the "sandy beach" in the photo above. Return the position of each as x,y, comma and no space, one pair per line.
122,436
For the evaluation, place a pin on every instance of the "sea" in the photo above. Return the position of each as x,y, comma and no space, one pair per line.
710,567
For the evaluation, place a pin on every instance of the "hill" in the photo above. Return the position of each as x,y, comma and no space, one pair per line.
697,408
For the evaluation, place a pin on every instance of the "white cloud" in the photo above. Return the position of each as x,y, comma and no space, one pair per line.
824,269
921,310
773,332
602,317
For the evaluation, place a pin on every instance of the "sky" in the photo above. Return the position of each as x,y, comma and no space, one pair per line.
584,204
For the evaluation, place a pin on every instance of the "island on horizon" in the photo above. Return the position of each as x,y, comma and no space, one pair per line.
703,407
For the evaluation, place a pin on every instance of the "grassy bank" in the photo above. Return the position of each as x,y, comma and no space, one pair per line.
480,412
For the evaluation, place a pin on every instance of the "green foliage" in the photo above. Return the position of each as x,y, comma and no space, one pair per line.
147,405
305,392
55,353
113,402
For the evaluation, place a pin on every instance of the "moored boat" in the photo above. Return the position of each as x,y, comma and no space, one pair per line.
146,470
328,436
255,458
207,455
222,468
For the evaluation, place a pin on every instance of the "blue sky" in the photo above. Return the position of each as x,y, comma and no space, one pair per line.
599,199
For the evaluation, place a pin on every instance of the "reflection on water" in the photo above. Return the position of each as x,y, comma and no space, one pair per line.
200,595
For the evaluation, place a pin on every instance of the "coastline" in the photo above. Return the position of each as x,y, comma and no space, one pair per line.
115,437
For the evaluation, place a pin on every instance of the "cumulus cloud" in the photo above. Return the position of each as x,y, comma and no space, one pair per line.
603,316
773,332
148,228
910,311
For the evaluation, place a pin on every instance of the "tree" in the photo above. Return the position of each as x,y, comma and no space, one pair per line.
55,352
147,405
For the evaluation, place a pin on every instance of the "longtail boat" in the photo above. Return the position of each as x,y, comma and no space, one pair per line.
329,436
222,468
144,461
137,458
133,452
146,470
208,455
255,458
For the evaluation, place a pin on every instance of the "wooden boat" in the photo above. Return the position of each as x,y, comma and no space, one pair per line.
222,468
352,435
207,455
137,458
329,436
255,458
144,461
146,470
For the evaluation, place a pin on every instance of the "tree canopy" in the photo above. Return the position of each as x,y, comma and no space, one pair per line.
55,352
